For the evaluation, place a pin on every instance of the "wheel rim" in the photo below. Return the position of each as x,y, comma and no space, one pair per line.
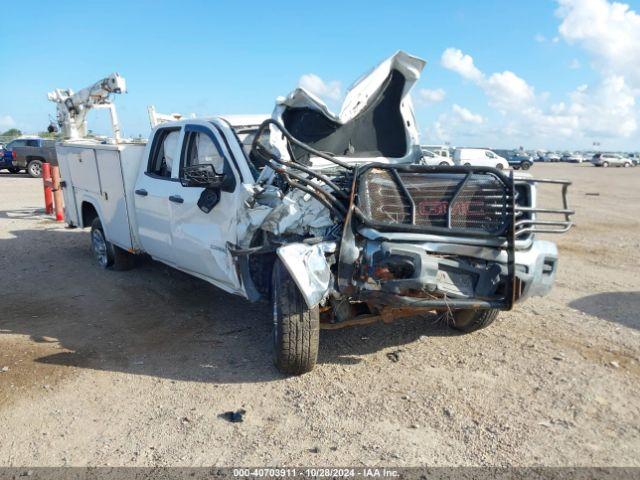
36,169
99,247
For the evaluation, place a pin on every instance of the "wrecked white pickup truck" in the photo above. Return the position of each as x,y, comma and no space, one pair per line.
331,217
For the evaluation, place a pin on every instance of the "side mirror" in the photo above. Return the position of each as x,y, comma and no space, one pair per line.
203,176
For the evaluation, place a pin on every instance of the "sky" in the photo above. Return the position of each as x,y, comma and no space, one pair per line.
547,74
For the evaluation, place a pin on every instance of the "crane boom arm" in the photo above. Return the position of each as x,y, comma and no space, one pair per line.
72,108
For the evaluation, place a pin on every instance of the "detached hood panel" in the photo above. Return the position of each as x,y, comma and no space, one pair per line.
376,119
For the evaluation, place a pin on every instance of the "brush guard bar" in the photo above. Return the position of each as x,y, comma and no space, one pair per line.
526,219
458,201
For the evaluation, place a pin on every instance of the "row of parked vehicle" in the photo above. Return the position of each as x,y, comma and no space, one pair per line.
480,157
598,159
27,153
518,159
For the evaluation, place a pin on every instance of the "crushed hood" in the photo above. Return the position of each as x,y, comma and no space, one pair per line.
376,119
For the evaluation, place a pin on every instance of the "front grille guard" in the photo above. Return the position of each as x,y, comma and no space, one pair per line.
525,218
508,212
506,299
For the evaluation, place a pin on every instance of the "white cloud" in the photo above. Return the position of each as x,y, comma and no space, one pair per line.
311,82
6,122
609,31
429,97
465,115
574,64
507,91
457,123
607,109
454,59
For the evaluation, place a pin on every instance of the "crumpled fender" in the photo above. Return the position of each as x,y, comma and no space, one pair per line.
307,265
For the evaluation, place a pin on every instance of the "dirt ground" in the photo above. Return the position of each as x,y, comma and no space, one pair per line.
134,368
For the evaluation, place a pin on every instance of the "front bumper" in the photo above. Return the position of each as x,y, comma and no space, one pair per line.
395,274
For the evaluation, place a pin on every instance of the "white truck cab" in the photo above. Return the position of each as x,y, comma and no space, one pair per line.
135,191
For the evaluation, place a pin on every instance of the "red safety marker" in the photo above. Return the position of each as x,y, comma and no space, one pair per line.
48,188
58,200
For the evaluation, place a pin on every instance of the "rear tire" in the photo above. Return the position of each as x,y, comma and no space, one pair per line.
296,327
106,253
34,168
605,164
470,320
443,164
500,166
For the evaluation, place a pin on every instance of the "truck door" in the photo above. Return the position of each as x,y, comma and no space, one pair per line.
200,239
154,186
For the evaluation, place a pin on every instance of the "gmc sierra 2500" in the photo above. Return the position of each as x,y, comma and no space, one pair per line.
331,217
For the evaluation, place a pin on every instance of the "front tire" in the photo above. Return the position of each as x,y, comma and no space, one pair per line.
626,165
470,320
605,164
296,327
34,168
108,255
525,165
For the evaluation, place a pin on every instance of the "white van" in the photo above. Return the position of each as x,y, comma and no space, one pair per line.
479,157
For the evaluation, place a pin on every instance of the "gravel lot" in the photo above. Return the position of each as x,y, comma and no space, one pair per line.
134,368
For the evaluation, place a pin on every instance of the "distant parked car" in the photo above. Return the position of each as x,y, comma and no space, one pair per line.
430,157
572,158
480,157
610,159
441,150
6,161
517,159
551,157
28,154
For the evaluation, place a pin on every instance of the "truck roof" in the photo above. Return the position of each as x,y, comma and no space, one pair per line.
235,121
243,120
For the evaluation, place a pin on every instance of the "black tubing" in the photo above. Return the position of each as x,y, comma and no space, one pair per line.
295,141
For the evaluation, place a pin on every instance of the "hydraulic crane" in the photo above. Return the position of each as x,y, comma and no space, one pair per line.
72,108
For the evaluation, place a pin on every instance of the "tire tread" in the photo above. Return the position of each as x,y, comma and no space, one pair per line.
468,321
296,346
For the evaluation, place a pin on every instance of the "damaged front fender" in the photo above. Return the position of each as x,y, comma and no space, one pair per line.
309,268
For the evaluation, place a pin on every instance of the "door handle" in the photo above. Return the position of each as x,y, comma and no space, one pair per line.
176,199
142,192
